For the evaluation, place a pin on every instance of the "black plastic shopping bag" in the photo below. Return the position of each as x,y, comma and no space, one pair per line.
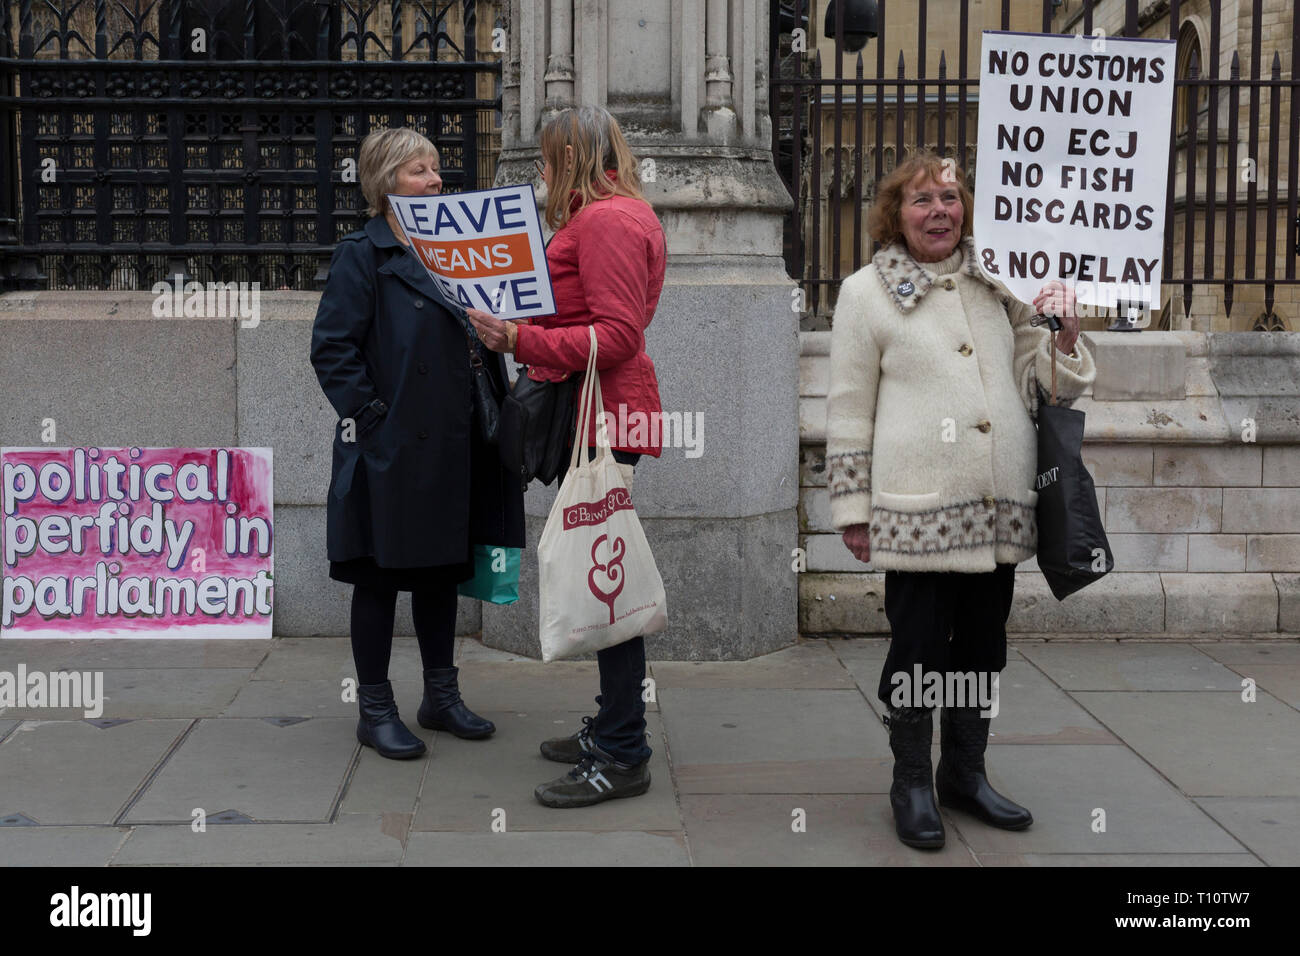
1072,547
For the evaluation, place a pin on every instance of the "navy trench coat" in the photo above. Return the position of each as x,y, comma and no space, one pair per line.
391,355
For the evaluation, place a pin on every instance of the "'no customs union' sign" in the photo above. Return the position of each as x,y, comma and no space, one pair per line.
1073,164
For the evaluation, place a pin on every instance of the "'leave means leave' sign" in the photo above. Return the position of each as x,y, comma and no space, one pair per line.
484,249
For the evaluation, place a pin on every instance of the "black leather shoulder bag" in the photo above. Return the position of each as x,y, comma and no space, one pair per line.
536,424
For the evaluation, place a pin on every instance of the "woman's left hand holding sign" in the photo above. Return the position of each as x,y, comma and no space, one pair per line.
497,335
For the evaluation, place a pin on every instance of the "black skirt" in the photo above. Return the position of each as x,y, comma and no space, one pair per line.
365,572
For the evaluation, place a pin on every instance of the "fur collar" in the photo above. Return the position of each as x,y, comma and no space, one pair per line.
907,281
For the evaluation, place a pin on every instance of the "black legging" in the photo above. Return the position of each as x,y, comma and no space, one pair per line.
373,612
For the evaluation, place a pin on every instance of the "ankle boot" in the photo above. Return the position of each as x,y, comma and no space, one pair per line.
916,816
380,727
443,709
961,780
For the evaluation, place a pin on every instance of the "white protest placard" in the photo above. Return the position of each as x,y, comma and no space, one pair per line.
1073,165
136,542
484,248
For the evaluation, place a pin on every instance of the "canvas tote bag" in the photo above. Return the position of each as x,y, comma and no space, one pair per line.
598,580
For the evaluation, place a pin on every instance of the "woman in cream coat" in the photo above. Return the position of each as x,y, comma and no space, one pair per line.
931,453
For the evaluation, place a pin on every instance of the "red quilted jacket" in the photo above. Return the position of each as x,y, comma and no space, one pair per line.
607,269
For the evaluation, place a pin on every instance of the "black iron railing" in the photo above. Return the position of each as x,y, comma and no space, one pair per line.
145,138
825,238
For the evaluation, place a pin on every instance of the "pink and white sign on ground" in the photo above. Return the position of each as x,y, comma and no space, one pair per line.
136,542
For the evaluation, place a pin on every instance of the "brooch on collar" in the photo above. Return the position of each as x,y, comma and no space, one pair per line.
905,287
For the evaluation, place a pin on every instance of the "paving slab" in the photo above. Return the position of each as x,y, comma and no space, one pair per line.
6,726
170,692
330,658
471,649
72,772
1268,826
839,830
809,665
1273,665
380,785
856,650
1112,666
1208,744
315,864
60,846
524,848
354,837
468,780
531,685
101,654
315,698
731,740
1197,860
1280,680
1246,654
1063,785
1033,710
268,773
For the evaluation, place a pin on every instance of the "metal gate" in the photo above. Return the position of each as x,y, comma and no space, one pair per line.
1205,248
145,138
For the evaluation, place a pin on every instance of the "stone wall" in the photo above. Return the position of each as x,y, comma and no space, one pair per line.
110,374
1205,527
1204,524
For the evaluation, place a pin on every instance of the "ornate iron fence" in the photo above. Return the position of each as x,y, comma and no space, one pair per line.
218,139
814,113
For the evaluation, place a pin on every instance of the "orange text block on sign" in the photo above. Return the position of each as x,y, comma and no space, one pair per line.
472,258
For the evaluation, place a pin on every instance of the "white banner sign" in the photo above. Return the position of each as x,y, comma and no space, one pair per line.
1073,165
484,249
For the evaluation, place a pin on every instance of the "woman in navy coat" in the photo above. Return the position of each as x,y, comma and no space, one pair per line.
412,489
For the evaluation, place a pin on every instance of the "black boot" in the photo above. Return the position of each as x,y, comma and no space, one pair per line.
961,780
381,728
916,816
443,709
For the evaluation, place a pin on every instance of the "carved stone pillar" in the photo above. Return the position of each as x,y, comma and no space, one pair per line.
687,80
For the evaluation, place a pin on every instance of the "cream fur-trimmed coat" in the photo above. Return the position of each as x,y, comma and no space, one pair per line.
921,353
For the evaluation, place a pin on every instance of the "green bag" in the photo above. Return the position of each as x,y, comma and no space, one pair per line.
496,575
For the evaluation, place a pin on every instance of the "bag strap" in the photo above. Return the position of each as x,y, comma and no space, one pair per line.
1052,346
590,388
471,338
1053,324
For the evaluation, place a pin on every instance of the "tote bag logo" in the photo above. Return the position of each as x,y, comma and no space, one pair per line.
611,569
597,512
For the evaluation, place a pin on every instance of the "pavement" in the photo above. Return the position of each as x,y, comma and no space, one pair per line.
1127,754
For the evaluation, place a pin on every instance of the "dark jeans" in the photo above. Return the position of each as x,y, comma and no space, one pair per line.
946,622
619,728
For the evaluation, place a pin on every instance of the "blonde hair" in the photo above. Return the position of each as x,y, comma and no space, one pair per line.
598,145
883,220
382,153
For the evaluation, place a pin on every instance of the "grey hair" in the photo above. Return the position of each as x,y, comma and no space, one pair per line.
382,153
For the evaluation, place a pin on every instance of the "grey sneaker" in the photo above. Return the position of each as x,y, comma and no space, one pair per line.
569,749
594,779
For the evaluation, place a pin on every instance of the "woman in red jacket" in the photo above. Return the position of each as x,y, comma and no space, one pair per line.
607,261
